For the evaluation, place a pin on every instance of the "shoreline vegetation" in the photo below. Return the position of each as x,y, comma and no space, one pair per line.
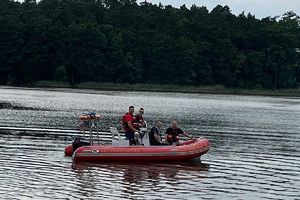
124,41
217,89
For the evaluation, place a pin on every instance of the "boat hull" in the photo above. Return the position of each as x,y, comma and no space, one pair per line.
188,150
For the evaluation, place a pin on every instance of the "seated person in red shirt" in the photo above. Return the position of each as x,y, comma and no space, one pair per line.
127,120
172,134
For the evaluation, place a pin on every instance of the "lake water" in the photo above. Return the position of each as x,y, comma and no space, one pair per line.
255,146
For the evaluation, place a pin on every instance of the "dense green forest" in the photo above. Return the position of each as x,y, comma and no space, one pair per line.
122,41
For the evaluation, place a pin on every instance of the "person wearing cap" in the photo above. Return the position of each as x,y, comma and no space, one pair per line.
127,120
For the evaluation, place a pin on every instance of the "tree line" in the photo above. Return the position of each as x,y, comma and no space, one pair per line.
122,41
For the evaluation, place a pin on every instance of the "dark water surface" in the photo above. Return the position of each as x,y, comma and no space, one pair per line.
255,147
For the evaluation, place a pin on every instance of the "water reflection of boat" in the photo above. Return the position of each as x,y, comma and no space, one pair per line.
132,181
134,173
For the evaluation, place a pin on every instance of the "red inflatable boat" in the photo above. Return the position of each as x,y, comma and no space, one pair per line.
119,150
185,151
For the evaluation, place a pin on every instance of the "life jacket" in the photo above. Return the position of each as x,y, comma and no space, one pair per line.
137,121
172,138
173,135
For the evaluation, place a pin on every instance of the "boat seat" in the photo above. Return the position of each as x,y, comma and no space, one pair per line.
117,140
114,131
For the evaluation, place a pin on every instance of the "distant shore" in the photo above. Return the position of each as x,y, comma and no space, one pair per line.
170,88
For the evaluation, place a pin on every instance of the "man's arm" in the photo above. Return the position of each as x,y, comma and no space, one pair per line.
186,134
156,135
166,138
157,138
130,126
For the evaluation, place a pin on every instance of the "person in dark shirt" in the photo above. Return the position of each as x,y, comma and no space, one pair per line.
155,134
173,132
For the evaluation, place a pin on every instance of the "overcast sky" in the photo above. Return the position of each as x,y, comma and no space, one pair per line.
259,8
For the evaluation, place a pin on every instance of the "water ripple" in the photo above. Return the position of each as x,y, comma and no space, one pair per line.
255,147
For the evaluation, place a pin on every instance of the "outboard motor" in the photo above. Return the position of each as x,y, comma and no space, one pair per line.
78,143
